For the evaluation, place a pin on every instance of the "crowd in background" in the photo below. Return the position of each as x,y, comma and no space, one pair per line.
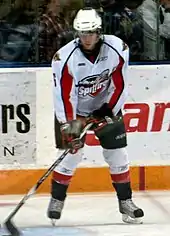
31,31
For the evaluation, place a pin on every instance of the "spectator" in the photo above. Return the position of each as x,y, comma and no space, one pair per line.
55,28
92,3
17,32
125,23
165,4
164,29
154,47
132,4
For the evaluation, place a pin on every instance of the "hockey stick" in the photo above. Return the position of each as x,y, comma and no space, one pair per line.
8,222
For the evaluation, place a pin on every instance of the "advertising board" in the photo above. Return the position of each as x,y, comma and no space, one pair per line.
17,117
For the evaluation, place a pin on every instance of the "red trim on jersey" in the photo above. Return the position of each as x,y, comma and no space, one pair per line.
118,82
92,58
61,178
121,178
66,86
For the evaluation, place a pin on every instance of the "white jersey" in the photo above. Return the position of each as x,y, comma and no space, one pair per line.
81,86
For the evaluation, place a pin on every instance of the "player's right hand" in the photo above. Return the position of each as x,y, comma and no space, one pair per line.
71,132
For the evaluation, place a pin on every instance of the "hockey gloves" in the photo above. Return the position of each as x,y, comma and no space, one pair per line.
103,111
70,133
104,120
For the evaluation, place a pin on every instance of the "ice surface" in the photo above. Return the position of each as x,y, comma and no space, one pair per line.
92,214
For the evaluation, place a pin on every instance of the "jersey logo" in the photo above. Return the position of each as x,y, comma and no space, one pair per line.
102,58
81,64
93,85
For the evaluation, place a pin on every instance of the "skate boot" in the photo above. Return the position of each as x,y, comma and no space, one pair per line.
130,212
55,208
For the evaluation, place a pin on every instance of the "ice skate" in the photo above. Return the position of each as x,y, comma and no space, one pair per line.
130,212
54,210
53,222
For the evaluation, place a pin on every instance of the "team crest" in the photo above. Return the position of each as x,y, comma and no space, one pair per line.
56,57
93,85
125,46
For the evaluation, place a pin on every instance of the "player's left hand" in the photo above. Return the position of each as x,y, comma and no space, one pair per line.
103,120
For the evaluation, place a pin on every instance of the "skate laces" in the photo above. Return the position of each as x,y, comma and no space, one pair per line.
129,204
56,205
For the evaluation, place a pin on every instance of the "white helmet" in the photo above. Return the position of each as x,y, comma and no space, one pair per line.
87,20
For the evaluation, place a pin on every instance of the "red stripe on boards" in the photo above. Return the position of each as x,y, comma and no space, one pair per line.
141,178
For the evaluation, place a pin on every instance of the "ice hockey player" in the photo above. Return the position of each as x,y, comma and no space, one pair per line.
90,83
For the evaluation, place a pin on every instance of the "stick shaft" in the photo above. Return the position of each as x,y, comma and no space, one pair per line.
33,190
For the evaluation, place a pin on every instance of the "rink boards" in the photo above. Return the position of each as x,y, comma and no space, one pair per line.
27,146
92,179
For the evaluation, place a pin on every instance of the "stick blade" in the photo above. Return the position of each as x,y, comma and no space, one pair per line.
12,229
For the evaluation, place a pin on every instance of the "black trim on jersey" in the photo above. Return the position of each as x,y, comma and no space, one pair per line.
121,70
62,76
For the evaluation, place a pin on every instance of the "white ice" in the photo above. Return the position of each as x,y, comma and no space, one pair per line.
90,214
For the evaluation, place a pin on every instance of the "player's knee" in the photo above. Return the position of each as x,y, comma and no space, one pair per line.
65,170
118,162
117,159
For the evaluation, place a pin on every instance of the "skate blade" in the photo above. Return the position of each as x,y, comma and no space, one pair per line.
129,220
53,222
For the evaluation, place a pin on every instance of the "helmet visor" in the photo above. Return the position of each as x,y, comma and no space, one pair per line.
89,32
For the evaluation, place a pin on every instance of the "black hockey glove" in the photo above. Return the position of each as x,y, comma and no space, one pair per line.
104,120
103,111
71,132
